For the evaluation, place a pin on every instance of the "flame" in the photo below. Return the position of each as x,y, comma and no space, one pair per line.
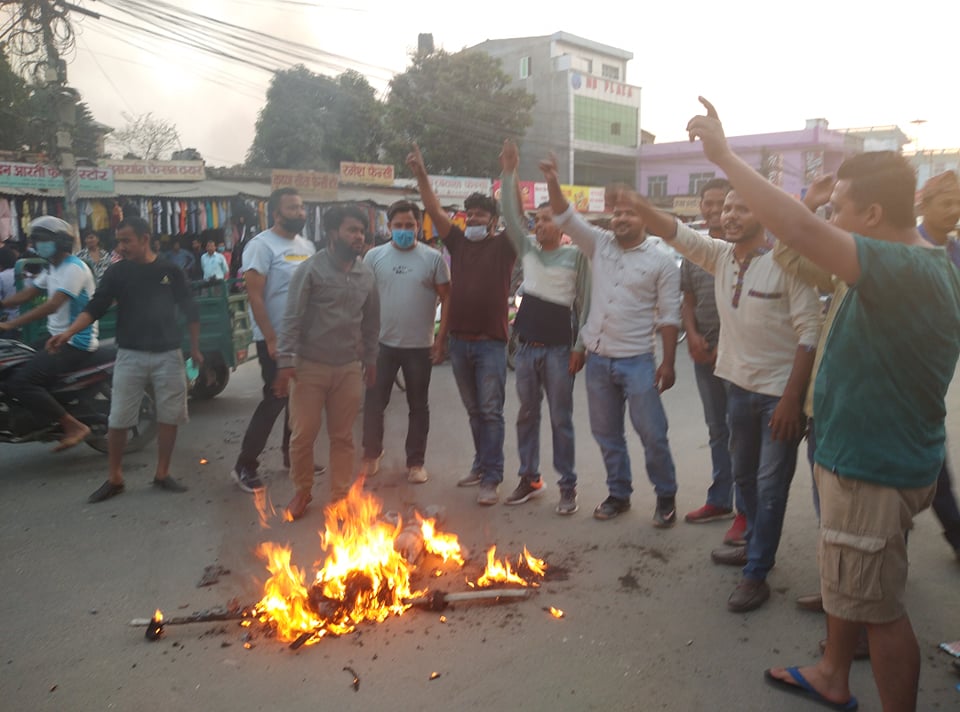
362,578
446,546
203,461
536,566
556,612
265,509
158,616
498,571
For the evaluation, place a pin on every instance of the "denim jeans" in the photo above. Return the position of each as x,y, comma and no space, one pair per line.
480,368
713,396
268,410
614,384
763,469
416,367
945,507
542,369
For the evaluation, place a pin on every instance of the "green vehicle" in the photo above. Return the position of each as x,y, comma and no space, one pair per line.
225,333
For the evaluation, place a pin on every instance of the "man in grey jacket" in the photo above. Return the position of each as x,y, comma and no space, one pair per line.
328,346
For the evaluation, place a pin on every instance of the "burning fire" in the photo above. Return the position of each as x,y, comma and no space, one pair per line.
502,572
363,576
158,616
555,612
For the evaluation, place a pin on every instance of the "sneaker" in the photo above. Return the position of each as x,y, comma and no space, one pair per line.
525,491
735,534
371,465
665,515
317,469
611,507
168,484
417,474
471,480
488,495
246,479
708,513
105,491
730,556
568,502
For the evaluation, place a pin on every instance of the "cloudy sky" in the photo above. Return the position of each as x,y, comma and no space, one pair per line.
767,66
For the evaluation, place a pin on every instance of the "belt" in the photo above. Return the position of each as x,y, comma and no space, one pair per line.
536,344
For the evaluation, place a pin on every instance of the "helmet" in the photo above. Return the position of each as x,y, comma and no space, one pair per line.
48,227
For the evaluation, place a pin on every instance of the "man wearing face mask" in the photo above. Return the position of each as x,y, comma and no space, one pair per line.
69,284
410,279
269,261
327,344
481,266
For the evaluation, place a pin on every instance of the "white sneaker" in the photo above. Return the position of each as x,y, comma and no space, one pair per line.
371,465
417,474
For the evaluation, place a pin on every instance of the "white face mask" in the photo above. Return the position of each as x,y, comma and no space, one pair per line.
475,233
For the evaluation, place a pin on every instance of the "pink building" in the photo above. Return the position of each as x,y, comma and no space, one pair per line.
671,173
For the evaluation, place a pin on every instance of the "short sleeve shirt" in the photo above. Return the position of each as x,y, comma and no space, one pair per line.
407,282
697,281
276,258
887,364
74,278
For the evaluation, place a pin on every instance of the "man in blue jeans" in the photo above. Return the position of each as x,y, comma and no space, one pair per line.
770,324
556,285
635,292
481,263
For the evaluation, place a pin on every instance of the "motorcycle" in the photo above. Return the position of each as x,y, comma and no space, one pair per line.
84,393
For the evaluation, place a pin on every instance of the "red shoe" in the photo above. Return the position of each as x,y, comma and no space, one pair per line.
734,535
708,513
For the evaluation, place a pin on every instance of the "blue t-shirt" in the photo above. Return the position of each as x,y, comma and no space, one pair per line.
887,364
74,278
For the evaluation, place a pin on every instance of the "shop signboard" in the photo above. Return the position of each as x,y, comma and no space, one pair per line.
131,169
37,176
313,186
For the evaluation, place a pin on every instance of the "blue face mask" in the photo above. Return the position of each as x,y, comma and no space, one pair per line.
404,238
221,248
475,233
46,249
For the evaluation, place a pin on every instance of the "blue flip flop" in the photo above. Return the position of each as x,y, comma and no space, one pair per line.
805,689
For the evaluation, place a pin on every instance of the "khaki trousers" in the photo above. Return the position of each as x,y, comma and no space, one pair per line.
338,389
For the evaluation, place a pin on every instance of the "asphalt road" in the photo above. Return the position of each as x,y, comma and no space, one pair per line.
646,626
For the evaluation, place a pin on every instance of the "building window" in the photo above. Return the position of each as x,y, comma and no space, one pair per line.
608,71
615,128
524,67
585,64
697,180
656,186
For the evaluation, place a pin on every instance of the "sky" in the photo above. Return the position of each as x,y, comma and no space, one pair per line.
767,66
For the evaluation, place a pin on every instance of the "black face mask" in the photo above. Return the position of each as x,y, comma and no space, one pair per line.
293,225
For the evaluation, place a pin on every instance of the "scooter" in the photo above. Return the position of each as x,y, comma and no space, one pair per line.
84,393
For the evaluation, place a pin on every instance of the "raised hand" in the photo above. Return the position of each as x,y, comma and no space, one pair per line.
548,166
509,157
415,161
710,132
820,191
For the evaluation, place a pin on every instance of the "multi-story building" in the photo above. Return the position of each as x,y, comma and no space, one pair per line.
934,161
585,113
671,173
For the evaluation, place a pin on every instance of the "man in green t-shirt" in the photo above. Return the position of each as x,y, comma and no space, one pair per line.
879,399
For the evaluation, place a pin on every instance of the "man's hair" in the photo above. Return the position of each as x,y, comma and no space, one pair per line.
273,205
715,184
544,204
334,217
8,258
885,178
140,227
403,206
481,202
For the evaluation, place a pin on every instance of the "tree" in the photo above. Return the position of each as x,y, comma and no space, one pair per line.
458,108
146,137
313,121
13,97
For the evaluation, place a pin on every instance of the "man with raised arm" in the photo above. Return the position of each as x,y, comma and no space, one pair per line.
556,287
635,293
481,263
879,399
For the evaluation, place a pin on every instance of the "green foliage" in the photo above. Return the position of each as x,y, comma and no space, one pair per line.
311,121
459,109
13,97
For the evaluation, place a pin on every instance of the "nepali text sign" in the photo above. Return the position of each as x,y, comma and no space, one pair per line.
365,173
155,170
585,199
458,187
313,186
36,176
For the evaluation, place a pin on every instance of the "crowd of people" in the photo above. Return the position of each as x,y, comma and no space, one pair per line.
334,327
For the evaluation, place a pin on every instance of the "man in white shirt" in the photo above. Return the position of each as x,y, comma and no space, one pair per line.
269,261
213,263
770,325
635,292
410,278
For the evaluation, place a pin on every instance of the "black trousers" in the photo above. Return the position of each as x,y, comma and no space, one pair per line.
264,417
30,382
